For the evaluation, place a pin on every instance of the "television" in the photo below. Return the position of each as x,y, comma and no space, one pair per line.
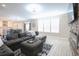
73,15
75,11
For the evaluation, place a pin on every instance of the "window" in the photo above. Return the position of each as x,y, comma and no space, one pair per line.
54,24
40,25
27,26
48,24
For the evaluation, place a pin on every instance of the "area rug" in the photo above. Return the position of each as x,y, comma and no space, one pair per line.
46,49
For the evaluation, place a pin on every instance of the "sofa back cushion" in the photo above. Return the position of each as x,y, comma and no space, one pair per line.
11,36
20,35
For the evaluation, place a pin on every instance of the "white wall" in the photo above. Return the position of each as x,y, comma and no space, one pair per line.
64,26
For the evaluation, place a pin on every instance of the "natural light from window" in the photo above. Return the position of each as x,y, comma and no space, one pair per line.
49,24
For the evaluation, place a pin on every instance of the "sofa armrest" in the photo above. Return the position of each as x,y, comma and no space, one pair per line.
6,51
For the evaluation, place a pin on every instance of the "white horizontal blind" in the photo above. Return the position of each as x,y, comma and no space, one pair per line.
48,24
55,24
27,26
40,25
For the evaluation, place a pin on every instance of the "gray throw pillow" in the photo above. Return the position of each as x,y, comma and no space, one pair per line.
32,33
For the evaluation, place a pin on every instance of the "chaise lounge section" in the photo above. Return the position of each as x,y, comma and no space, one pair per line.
32,47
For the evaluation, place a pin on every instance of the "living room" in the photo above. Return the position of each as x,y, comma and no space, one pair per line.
41,29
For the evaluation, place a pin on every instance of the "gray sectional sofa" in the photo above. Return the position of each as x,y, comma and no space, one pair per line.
17,40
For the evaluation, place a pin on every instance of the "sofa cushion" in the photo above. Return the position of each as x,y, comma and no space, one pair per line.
11,36
16,41
20,35
31,48
31,45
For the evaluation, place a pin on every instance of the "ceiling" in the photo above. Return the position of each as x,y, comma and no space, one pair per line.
18,9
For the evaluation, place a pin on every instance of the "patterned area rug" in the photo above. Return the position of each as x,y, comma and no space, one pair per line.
45,51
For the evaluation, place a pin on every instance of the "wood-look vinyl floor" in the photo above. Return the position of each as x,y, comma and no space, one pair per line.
61,46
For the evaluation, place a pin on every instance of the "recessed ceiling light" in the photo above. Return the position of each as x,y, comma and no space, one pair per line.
3,5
